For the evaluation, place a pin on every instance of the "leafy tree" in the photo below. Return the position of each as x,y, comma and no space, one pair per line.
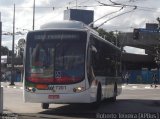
21,44
4,50
110,36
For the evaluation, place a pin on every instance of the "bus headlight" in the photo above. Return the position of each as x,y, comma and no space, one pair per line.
31,89
78,89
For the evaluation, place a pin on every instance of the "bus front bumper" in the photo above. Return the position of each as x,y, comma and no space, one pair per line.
82,97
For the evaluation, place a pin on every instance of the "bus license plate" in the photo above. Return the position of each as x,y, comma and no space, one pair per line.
53,96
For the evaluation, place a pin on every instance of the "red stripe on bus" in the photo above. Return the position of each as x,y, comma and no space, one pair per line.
53,80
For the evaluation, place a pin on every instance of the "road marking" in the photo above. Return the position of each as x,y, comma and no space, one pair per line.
15,87
147,87
134,86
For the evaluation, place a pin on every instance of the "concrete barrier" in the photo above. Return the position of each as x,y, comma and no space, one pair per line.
1,100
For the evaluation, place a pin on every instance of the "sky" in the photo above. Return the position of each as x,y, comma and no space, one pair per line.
136,13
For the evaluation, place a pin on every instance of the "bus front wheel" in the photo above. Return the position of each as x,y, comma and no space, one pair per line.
96,104
113,99
45,105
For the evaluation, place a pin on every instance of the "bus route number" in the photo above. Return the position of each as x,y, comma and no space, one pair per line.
60,87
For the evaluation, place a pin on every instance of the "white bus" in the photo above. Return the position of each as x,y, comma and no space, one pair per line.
68,62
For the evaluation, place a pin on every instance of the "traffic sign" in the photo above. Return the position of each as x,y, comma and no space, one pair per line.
149,30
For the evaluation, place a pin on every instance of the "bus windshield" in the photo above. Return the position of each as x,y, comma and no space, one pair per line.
55,57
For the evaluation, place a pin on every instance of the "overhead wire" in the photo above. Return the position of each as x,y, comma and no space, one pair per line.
59,8
85,1
114,4
105,16
65,6
18,7
116,16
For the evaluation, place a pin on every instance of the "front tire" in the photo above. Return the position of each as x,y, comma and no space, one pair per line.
113,99
96,104
45,105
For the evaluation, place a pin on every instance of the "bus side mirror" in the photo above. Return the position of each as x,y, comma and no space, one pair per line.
94,52
93,49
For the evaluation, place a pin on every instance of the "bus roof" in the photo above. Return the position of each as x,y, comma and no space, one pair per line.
67,24
73,25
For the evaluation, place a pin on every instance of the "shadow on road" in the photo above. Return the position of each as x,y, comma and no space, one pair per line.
73,110
121,106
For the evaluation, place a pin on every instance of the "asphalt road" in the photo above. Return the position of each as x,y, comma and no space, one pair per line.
131,101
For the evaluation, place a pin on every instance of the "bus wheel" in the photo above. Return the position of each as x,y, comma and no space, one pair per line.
113,99
45,105
96,104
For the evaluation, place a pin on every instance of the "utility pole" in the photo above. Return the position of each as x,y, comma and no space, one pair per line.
116,36
13,36
1,88
158,19
33,13
76,4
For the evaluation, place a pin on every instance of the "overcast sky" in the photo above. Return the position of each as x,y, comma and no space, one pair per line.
139,12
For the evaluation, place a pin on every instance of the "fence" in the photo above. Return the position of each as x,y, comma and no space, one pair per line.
142,76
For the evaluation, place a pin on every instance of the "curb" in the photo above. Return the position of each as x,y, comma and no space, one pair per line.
6,85
138,87
12,87
7,114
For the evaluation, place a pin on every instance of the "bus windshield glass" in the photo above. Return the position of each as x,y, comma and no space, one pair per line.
56,57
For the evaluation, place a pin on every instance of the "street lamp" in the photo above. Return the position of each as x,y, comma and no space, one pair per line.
116,36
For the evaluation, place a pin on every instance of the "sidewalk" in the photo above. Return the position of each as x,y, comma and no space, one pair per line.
8,115
18,85
140,86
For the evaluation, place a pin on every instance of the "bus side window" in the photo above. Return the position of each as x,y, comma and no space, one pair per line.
97,56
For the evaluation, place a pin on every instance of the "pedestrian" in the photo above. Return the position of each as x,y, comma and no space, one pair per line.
3,77
154,80
127,78
123,77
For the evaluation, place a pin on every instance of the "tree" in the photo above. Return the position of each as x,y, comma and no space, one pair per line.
4,50
20,47
110,36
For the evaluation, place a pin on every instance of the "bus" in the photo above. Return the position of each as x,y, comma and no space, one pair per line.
68,62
